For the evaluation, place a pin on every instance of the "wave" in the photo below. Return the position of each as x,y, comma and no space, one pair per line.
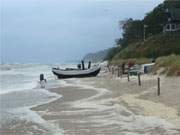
19,108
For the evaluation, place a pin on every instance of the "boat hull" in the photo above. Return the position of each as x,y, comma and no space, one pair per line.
82,74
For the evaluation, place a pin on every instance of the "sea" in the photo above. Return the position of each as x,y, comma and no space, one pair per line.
20,90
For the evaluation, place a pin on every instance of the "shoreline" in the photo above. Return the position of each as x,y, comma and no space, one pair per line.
71,111
68,95
144,98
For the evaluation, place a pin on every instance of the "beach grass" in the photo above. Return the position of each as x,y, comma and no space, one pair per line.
133,60
171,65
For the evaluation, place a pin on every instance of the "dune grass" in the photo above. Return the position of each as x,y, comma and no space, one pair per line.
133,60
171,65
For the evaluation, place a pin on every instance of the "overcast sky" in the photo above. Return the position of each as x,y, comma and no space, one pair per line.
58,31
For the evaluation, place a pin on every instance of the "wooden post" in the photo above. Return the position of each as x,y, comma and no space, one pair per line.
139,79
158,92
112,70
118,71
128,76
109,68
121,73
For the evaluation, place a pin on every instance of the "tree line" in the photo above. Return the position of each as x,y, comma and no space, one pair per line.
137,30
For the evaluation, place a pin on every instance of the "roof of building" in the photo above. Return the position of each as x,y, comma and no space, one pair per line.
175,14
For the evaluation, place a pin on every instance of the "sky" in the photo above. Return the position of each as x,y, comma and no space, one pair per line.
60,31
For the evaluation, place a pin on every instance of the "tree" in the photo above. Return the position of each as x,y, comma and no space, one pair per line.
155,20
172,3
132,32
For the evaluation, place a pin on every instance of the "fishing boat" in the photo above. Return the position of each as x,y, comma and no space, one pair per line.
76,73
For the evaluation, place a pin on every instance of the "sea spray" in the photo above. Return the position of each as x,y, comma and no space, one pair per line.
20,91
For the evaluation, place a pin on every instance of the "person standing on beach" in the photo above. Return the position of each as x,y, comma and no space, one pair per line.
42,81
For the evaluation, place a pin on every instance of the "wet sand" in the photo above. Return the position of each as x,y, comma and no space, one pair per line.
106,105
144,98
42,125
112,106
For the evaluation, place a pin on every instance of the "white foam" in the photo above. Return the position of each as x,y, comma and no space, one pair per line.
11,89
29,115
20,84
25,113
105,111
108,113
80,84
25,77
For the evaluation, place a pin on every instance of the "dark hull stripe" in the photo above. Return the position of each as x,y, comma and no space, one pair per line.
92,74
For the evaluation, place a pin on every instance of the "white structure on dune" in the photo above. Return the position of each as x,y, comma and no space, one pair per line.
173,20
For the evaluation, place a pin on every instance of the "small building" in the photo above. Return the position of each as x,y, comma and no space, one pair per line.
173,20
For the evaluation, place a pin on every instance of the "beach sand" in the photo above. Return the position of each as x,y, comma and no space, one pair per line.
144,97
106,105
110,105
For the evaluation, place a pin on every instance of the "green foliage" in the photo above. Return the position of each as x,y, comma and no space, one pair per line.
112,52
172,3
153,47
155,20
132,32
133,60
157,43
158,17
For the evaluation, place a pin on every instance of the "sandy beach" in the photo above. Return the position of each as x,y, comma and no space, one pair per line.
102,105
110,105
90,67
144,97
